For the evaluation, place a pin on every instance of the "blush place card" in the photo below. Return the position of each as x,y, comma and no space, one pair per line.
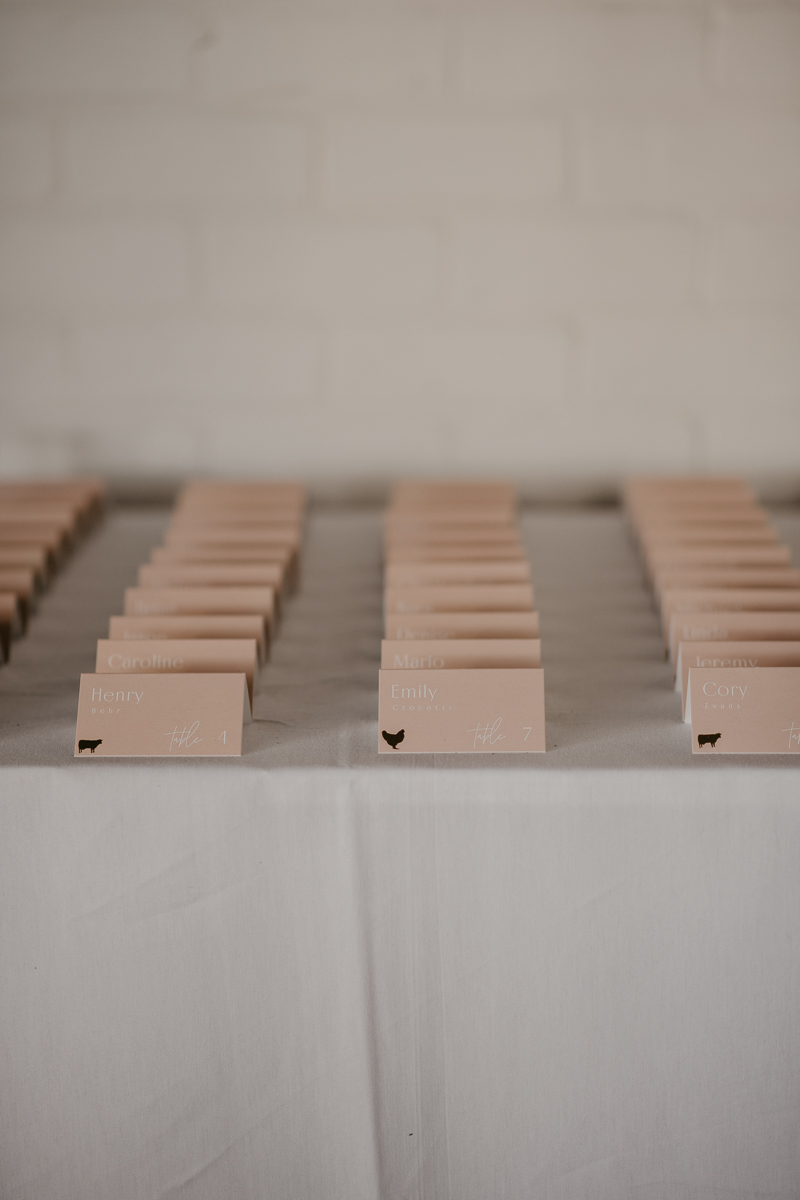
712,535
741,655
34,558
212,575
221,555
438,574
241,535
437,626
461,711
450,535
210,627
745,554
169,716
671,578
754,711
21,582
232,656
461,653
202,601
488,597
459,552
9,622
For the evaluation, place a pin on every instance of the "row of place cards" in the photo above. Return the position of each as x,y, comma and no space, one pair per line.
461,664
41,523
177,674
729,601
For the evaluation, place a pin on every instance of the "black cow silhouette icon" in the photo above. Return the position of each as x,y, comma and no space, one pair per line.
708,739
84,744
394,739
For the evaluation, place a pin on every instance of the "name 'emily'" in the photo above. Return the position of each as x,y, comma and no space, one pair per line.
423,692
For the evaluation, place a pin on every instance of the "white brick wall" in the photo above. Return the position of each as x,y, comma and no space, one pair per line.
551,239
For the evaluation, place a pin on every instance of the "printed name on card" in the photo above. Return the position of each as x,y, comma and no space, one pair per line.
461,654
461,711
754,711
166,716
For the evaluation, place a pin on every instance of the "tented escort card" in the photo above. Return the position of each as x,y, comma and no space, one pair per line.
172,716
165,628
461,711
735,711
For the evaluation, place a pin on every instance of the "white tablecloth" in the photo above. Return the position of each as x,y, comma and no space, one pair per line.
316,973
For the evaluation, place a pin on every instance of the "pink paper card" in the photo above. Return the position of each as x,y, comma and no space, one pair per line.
721,516
200,601
11,610
51,542
703,535
438,626
449,535
442,573
220,555
274,531
172,716
755,711
670,578
741,555
429,492
732,627
456,514
32,558
9,622
713,512
460,597
250,491
740,655
695,600
465,552
683,485
461,712
136,629
235,535
212,575
232,656
22,582
459,654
